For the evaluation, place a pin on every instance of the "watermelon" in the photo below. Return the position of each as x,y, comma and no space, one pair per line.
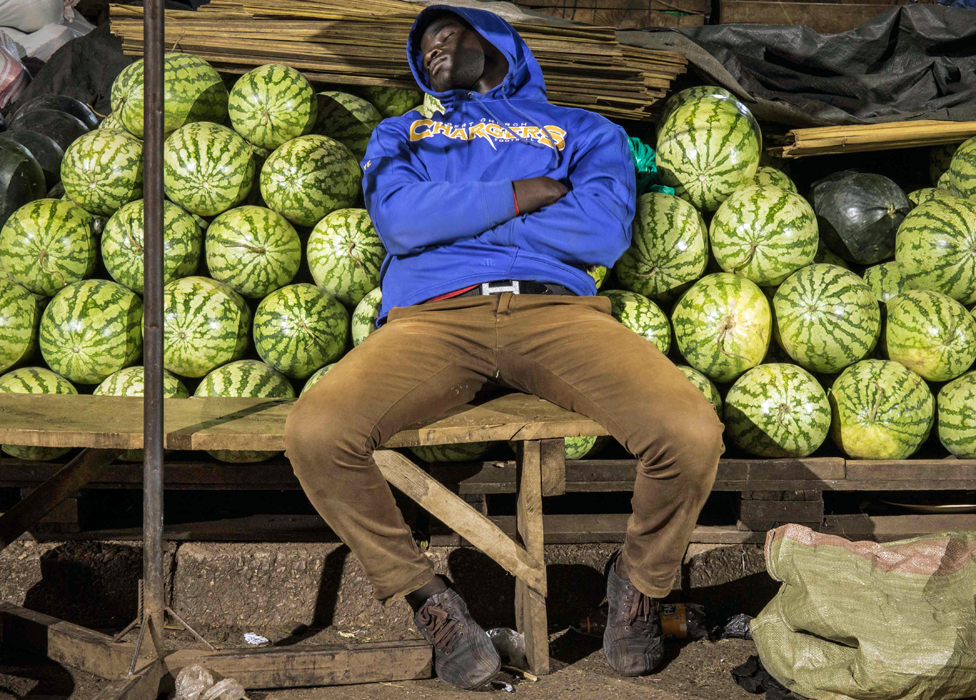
345,255
940,157
708,146
19,318
777,410
926,194
207,168
642,316
957,419
21,178
309,177
60,127
962,169
881,410
669,248
826,318
91,329
392,102
130,382
310,382
944,183
48,244
859,214
575,448
113,123
704,385
764,234
299,329
885,281
245,379
767,176
206,324
123,237
254,250
192,92
826,255
722,326
365,315
931,334
462,452
45,150
431,106
272,104
35,380
102,170
598,273
348,119
62,103
937,248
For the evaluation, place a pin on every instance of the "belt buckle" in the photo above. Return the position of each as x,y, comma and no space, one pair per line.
486,288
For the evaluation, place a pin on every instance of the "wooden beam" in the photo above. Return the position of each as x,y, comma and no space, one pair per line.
553,463
826,18
530,605
27,512
142,685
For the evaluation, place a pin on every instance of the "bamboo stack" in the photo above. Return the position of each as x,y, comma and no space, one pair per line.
363,43
869,137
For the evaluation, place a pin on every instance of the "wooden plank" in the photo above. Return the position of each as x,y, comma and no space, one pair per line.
143,685
886,528
461,517
530,605
912,470
28,511
306,666
764,514
826,18
553,463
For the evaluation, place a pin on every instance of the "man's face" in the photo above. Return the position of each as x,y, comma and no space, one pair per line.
453,55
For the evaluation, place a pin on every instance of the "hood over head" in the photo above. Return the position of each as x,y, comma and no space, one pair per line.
524,78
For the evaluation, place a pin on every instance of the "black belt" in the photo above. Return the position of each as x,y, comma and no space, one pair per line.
517,287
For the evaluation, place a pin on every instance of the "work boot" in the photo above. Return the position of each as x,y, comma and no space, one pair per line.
632,640
463,654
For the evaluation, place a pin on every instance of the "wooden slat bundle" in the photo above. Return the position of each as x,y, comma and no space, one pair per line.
869,137
363,43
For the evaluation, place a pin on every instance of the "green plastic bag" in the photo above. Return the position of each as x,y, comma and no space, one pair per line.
646,167
870,621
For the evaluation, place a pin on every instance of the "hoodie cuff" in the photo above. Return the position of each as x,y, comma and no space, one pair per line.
499,202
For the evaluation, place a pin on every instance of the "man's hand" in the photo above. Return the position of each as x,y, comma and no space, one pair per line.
538,192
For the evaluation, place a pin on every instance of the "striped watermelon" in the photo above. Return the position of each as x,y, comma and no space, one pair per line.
207,168
48,244
19,318
114,123
580,447
931,334
926,194
945,184
940,157
254,250
365,315
881,410
309,177
462,452
310,382
348,119
129,382
777,410
299,329
669,248
722,326
102,170
962,169
708,146
764,234
826,255
957,419
192,92
598,273
826,318
345,255
272,104
704,385
885,280
91,329
936,248
245,379
206,324
431,106
123,237
642,316
392,102
767,176
35,380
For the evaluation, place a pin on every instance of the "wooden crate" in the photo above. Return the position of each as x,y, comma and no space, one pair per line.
823,17
626,14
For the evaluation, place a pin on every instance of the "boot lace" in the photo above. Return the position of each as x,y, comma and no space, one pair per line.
640,613
443,626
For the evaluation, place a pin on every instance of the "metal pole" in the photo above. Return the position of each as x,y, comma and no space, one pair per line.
152,501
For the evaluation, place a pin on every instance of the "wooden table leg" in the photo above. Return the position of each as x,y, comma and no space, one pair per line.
530,605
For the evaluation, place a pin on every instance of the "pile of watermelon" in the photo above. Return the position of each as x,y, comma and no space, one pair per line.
842,313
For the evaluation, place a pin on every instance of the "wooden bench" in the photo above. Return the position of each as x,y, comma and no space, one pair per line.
106,425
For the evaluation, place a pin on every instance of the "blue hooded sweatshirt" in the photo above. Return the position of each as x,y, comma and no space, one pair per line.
439,190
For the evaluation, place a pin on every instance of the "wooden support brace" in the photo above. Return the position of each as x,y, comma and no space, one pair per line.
142,685
530,605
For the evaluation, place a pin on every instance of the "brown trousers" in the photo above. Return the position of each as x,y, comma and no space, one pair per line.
569,350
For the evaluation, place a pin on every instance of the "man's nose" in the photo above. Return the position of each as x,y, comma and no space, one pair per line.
431,55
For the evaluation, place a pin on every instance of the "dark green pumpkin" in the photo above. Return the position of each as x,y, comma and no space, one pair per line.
45,150
21,178
859,215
